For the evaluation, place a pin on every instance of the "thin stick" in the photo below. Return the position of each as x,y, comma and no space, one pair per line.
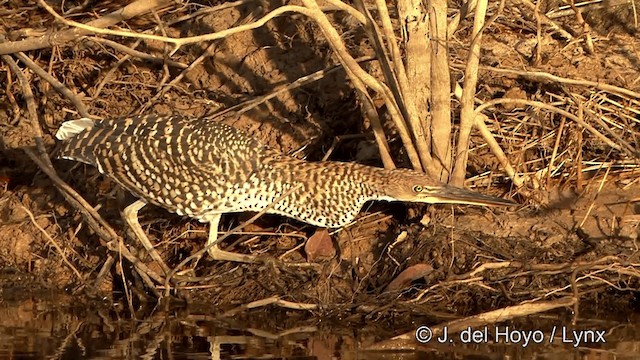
467,116
579,175
31,104
274,300
57,85
52,242
555,148
480,123
104,269
302,81
12,100
538,49
394,50
542,105
59,38
313,11
136,53
111,71
468,94
208,51
497,151
349,10
593,202
543,76
585,27
368,108
178,42
547,21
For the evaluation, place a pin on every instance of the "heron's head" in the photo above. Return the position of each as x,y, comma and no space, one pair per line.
412,186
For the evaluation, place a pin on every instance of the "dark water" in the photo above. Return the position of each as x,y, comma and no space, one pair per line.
42,329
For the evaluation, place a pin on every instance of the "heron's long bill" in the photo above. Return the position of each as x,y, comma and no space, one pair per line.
454,195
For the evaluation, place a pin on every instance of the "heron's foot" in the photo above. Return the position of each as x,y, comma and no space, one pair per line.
130,216
218,254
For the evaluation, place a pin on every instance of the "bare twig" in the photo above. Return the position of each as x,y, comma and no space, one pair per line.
349,10
52,242
354,70
467,116
302,81
468,94
538,17
555,149
585,27
132,10
542,105
209,10
57,85
543,76
178,42
15,108
114,68
497,151
135,53
547,21
274,300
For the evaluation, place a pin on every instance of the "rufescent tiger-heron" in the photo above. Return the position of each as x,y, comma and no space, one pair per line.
204,169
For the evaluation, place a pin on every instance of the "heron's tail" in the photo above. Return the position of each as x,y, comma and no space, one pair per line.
71,128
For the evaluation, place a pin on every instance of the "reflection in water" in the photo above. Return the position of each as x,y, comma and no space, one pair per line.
36,329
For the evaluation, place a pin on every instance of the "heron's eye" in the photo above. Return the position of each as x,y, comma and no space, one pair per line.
417,188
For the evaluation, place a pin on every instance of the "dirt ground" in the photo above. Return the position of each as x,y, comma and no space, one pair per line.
576,231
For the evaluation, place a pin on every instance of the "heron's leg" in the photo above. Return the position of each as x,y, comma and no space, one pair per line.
214,250
130,215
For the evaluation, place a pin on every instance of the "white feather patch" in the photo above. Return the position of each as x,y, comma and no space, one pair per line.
71,128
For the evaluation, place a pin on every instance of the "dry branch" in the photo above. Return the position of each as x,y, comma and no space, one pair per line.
567,114
468,94
60,38
53,243
480,123
274,300
349,10
57,85
354,70
135,53
547,21
541,76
